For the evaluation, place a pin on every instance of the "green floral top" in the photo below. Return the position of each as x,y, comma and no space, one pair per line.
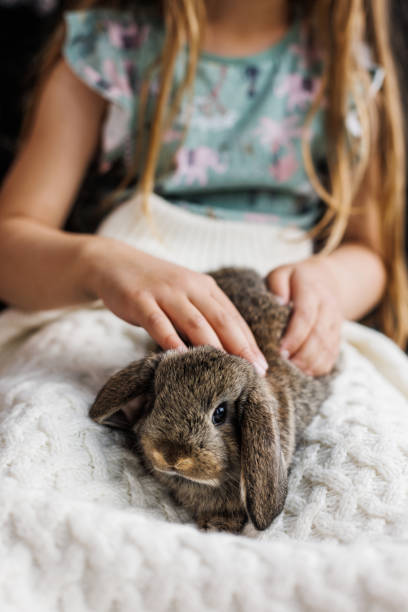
241,157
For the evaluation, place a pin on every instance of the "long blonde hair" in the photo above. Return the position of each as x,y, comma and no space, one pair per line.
337,28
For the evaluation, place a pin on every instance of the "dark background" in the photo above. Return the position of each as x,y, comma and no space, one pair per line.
23,28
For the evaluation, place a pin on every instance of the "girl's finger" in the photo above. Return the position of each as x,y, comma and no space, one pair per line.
187,318
319,352
302,320
231,329
158,325
324,365
329,354
278,282
314,358
233,314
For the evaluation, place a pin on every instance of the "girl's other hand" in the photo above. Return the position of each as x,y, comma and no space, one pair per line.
312,339
167,300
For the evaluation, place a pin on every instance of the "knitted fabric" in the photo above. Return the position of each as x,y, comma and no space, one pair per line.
83,528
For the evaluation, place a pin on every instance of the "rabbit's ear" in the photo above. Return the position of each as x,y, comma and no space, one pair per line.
263,469
120,401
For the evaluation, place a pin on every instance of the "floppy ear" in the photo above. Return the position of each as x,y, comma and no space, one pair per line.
264,480
120,401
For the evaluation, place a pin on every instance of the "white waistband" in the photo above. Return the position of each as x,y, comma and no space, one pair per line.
202,243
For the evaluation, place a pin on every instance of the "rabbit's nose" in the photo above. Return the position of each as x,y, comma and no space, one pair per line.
172,458
173,452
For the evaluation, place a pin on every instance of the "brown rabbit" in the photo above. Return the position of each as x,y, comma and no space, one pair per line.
218,435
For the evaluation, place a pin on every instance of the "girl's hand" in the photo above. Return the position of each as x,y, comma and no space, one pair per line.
167,300
312,339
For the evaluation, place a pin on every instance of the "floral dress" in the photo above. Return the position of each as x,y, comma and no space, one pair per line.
241,156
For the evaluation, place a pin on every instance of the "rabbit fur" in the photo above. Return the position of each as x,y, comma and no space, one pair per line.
237,467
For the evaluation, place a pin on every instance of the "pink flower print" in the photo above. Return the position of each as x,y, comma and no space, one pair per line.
94,78
300,90
211,104
284,168
274,134
119,83
91,75
193,165
126,37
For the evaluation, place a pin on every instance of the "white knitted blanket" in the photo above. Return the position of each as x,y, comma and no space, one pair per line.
84,529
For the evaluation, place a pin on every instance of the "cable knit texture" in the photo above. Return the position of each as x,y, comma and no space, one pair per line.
83,528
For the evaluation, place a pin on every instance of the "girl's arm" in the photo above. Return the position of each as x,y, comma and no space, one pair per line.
40,264
44,267
325,290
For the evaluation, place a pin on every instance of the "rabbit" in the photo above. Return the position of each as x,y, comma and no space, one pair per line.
208,426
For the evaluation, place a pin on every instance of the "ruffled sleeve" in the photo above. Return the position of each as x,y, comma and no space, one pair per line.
109,52
101,48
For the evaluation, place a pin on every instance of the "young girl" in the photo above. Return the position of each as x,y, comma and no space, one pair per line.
241,114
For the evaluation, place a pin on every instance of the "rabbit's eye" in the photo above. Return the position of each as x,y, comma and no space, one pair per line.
220,414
